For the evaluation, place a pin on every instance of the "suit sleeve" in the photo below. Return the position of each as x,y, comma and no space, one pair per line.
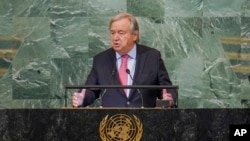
92,79
164,78
162,73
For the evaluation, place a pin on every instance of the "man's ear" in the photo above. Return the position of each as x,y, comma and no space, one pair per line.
136,35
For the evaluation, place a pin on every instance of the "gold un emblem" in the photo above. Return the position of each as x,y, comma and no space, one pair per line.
120,127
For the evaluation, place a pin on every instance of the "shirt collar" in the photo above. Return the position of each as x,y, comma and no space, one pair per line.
131,53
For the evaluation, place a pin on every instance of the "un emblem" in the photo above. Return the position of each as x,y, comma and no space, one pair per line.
120,127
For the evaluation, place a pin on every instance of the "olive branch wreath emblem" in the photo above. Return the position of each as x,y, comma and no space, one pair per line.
106,119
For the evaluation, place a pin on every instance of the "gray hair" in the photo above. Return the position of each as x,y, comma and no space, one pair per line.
133,22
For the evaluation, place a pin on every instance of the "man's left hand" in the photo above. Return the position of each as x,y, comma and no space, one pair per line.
167,96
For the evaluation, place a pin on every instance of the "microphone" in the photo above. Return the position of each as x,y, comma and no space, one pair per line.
113,72
102,94
105,90
138,91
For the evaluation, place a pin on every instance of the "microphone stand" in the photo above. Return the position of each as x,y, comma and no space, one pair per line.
138,91
102,94
105,90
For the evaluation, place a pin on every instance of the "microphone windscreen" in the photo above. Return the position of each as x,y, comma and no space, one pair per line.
128,71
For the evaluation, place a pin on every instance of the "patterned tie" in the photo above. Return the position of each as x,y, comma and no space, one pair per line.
123,75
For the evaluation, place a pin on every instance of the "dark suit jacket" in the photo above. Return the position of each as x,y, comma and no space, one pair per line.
149,70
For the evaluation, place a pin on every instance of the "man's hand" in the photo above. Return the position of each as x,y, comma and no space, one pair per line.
167,96
77,98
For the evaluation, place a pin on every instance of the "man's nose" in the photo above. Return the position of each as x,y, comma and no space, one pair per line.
116,36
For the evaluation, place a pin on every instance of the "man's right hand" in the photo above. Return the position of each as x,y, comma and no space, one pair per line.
77,98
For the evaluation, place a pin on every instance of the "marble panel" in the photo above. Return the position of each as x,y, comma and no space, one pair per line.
68,8
100,8
67,72
30,8
222,8
245,8
70,34
183,8
245,26
31,81
153,10
31,28
98,35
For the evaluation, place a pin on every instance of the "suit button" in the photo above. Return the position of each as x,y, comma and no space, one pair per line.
128,102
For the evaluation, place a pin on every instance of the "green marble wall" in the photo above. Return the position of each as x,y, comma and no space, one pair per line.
47,44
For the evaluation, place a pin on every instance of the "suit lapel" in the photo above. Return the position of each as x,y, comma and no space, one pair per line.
114,71
140,62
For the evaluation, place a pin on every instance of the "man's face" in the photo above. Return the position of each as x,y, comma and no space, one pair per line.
121,38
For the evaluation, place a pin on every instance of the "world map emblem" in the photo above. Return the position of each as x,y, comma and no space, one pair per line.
120,127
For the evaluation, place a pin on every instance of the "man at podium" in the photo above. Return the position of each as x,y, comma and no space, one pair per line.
126,63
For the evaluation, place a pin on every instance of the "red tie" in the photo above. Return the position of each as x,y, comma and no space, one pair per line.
122,71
